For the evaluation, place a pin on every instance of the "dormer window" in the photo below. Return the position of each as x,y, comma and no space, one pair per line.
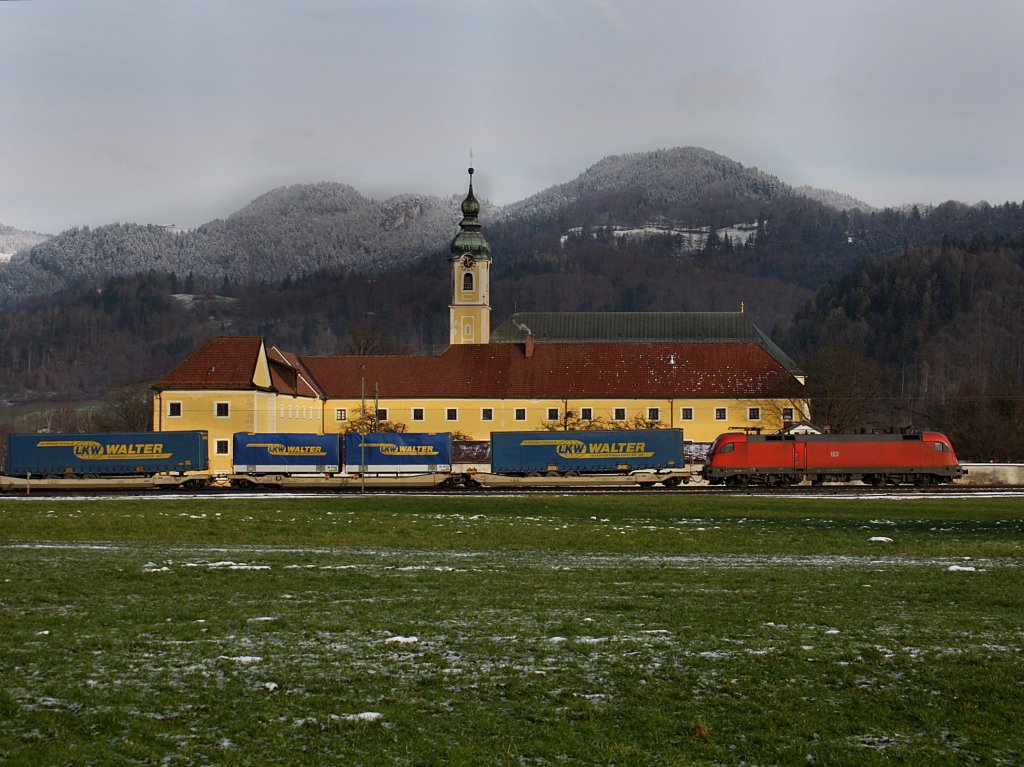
467,281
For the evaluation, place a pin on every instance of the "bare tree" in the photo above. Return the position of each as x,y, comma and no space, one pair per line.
845,388
129,408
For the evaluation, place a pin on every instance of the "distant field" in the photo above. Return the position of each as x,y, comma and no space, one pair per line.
434,630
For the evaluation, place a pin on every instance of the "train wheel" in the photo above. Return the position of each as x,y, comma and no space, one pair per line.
552,474
671,482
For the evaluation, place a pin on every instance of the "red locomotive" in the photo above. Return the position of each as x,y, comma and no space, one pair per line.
922,458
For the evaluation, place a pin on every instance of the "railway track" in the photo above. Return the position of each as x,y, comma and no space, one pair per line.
817,491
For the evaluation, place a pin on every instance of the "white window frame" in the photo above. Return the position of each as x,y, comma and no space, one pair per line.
341,414
175,404
381,414
654,414
216,409
789,414
586,414
553,414
686,413
616,416
221,447
519,414
487,414
418,414
451,414
721,414
753,414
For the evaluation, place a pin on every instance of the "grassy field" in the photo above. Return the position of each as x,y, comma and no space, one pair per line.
541,630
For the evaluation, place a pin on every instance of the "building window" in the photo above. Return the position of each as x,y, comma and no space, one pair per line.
787,414
520,414
587,413
552,413
487,414
753,414
654,414
341,414
174,409
467,281
619,414
417,414
382,414
451,414
222,409
220,447
686,413
721,414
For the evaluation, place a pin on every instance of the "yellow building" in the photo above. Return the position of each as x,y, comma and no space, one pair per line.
704,372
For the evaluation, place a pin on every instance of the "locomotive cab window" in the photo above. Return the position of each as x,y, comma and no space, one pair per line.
941,447
727,448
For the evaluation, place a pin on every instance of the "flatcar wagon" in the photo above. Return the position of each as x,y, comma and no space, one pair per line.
920,458
114,454
396,453
288,454
646,456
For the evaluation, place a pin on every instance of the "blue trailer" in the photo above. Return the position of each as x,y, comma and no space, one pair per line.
106,454
286,453
392,453
572,453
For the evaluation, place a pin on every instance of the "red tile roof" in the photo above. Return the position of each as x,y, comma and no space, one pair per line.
497,371
223,362
557,370
288,375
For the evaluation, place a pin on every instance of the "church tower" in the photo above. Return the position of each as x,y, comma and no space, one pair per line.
470,309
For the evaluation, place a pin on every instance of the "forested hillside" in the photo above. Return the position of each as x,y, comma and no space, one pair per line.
932,336
295,230
12,240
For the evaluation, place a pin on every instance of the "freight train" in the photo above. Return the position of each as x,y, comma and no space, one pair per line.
331,461
922,458
637,458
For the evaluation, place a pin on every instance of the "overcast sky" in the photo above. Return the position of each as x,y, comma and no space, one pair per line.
182,111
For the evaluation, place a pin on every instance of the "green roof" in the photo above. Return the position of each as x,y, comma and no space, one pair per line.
638,327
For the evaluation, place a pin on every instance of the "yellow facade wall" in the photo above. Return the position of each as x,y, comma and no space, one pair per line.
255,411
701,419
222,413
